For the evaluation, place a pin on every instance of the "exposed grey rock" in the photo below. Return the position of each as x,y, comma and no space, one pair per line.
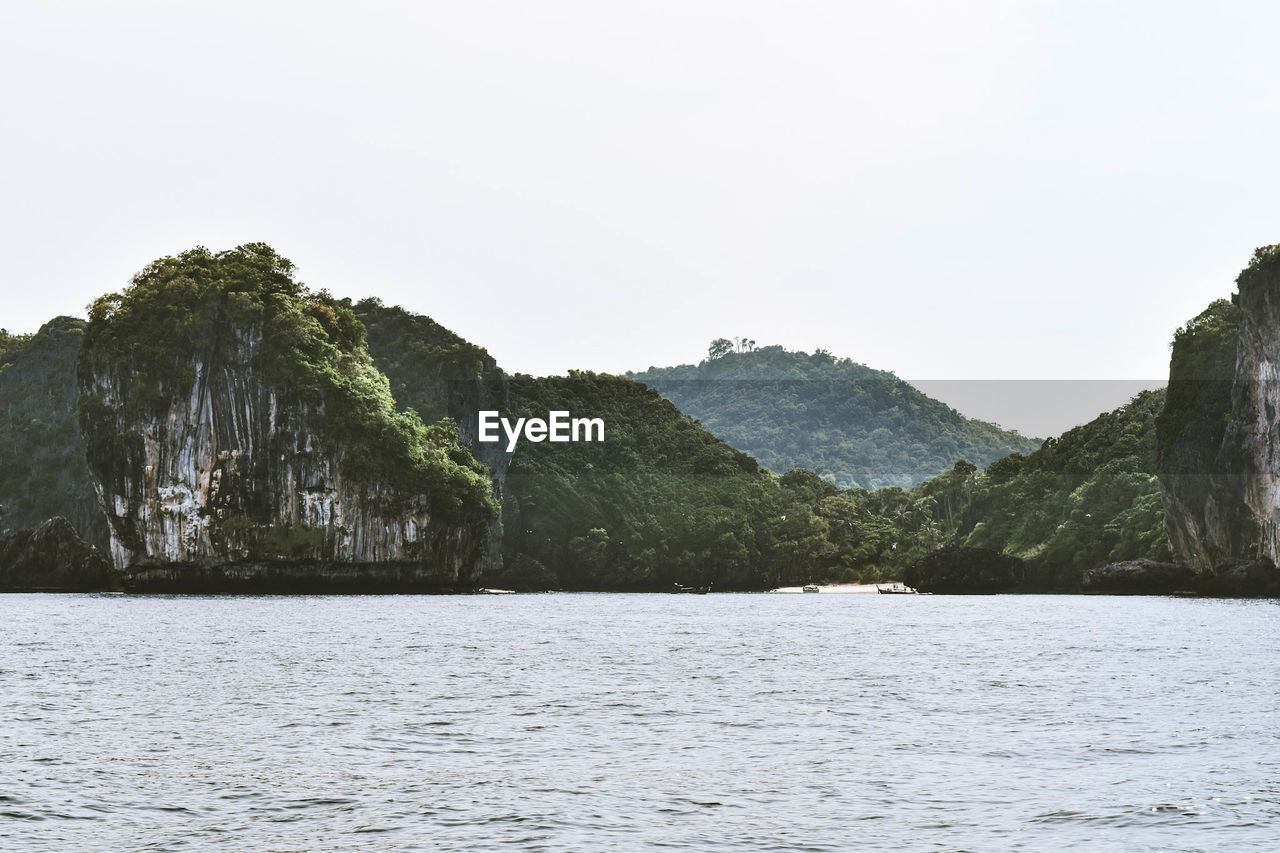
439,374
1252,441
1219,436
229,484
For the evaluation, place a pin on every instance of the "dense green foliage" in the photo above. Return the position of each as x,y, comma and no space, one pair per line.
1263,257
662,500
42,456
1085,498
182,309
658,501
11,345
1201,371
853,425
431,369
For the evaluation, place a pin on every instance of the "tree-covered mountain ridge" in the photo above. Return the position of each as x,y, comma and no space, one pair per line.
663,500
856,426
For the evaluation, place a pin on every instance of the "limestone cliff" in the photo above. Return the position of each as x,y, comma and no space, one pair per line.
1219,435
439,374
240,437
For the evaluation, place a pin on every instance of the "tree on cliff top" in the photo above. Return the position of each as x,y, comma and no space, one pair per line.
10,345
179,308
1202,368
1263,256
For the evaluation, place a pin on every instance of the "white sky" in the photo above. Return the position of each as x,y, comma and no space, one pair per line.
947,190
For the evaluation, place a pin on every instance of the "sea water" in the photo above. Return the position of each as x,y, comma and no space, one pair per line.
632,722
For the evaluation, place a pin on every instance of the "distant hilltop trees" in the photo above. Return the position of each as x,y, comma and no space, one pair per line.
854,426
721,347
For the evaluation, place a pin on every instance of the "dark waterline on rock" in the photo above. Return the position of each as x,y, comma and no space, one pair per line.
586,721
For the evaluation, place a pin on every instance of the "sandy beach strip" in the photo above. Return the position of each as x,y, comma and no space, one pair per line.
840,588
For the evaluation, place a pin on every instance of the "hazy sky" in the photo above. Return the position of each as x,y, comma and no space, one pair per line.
947,190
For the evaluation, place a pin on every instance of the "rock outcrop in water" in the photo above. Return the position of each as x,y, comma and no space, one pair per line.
52,558
1219,436
240,437
958,570
1141,577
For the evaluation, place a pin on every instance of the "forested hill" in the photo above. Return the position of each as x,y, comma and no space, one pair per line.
42,455
1087,497
853,425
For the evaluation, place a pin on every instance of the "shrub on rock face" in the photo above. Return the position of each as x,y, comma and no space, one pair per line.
965,570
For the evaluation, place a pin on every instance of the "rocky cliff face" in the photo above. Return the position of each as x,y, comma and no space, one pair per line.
439,374
217,473
233,471
1219,435
1252,442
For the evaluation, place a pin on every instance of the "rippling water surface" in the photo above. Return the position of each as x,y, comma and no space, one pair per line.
594,722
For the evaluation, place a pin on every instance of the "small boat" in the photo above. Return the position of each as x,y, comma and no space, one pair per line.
811,587
896,589
691,590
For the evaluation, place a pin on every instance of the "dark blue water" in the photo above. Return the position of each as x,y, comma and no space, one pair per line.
598,722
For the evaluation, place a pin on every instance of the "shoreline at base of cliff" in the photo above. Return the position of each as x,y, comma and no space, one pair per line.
838,588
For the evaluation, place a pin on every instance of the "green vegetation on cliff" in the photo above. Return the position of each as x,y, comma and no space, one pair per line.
1087,497
180,309
1202,368
426,363
1264,257
10,346
853,425
42,455
1218,431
